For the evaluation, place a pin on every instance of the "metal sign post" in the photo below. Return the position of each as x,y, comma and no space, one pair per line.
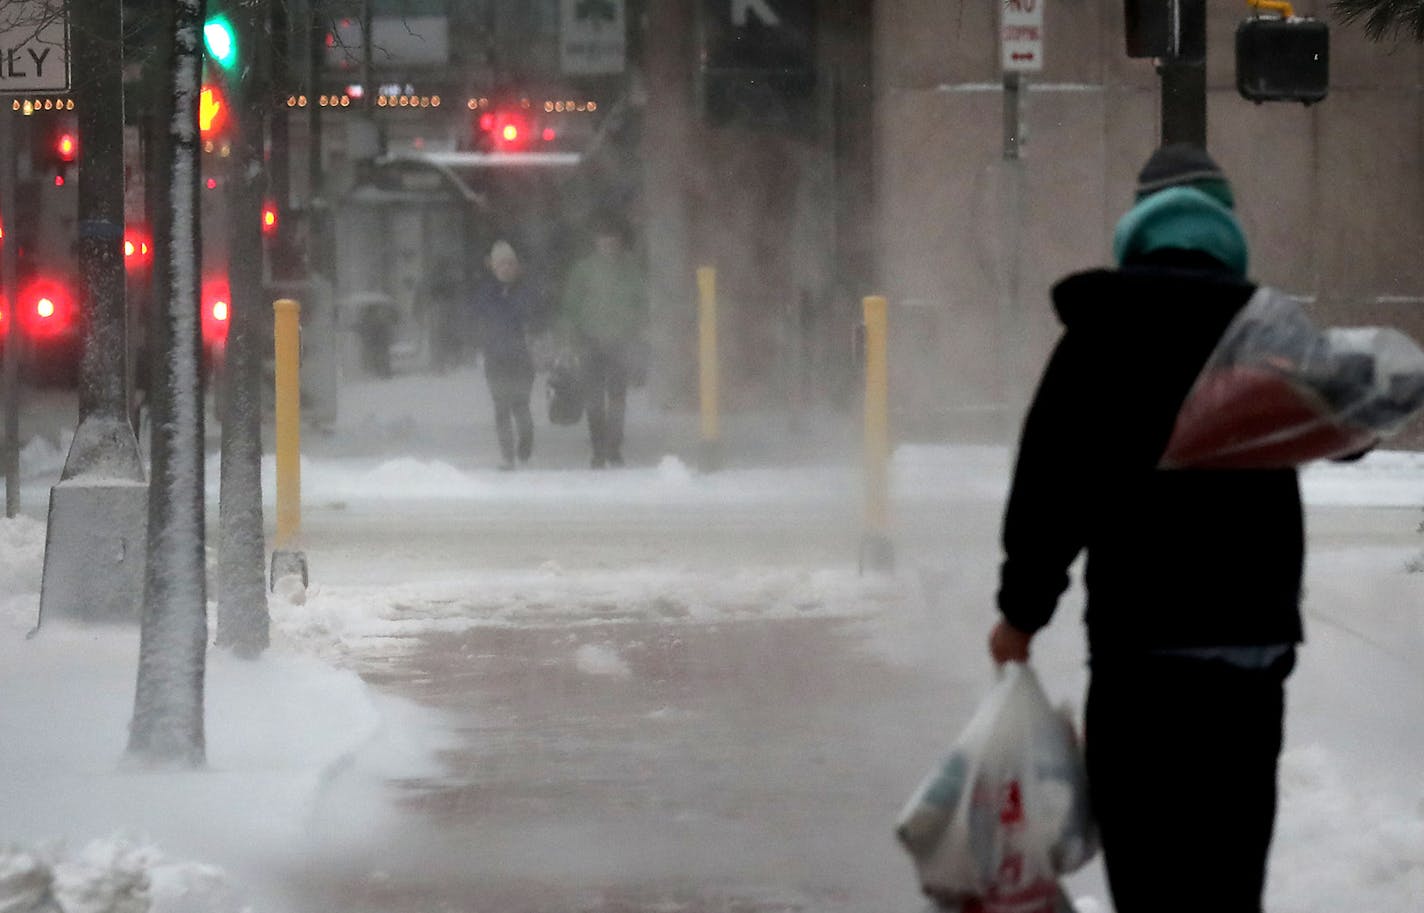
1020,52
8,300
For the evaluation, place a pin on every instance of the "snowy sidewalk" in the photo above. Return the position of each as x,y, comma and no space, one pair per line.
646,690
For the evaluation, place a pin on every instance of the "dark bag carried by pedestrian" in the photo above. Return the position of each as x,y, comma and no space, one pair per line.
565,392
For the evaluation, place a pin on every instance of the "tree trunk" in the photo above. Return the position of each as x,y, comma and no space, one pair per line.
167,725
242,587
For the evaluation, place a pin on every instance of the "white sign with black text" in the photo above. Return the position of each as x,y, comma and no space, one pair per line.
1021,36
34,46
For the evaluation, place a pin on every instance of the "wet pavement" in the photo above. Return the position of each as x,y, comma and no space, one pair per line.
643,767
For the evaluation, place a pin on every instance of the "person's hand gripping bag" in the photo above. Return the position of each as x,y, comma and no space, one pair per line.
1006,813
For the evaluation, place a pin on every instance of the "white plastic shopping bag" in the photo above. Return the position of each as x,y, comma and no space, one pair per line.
1006,813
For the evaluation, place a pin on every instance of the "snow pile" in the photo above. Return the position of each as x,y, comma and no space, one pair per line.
41,457
339,620
21,565
111,876
1376,844
601,659
297,751
670,482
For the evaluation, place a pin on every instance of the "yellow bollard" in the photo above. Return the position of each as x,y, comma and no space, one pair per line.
708,378
875,547
287,333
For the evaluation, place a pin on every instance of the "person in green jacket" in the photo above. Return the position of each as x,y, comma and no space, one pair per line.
604,313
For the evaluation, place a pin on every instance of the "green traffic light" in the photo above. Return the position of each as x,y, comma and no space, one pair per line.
220,41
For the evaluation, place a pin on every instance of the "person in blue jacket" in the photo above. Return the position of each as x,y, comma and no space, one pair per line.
506,311
1193,577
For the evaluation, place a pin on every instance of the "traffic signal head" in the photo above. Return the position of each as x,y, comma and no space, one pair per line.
55,148
47,308
1285,59
212,112
138,255
217,309
220,42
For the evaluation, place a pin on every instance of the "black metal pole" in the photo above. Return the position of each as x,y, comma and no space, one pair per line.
9,280
1183,75
99,444
317,261
1183,103
279,170
242,592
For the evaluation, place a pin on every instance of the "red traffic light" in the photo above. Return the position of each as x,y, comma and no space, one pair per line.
510,131
138,253
269,218
47,308
66,147
212,112
217,309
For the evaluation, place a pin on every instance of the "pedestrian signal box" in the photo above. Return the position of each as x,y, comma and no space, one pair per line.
1283,59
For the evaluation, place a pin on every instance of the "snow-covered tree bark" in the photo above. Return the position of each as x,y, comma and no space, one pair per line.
167,726
242,588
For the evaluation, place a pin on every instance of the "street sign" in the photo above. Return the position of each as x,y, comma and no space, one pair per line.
758,35
757,61
592,37
1021,36
34,47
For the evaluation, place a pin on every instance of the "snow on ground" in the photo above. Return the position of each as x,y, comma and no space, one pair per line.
294,732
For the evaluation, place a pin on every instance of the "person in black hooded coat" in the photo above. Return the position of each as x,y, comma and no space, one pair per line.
506,311
1193,577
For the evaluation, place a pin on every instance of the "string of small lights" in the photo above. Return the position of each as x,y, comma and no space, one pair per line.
28,106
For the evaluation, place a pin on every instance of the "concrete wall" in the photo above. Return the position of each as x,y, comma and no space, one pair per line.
1330,196
765,206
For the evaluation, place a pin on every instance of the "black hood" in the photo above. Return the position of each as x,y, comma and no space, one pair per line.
1149,295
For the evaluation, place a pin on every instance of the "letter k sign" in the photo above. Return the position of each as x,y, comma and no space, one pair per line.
758,8
596,9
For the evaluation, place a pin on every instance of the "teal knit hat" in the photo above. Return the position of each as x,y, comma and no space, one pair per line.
1181,218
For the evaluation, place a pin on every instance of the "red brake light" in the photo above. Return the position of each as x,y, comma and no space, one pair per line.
66,147
487,121
549,134
269,218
